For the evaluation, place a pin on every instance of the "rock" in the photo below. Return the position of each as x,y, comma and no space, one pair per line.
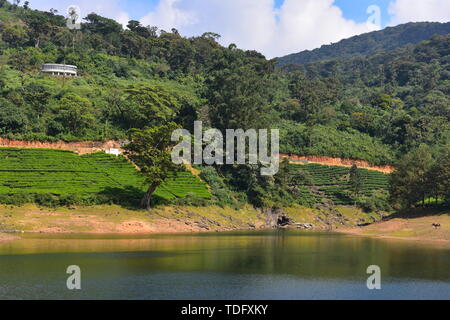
306,226
202,225
272,216
284,221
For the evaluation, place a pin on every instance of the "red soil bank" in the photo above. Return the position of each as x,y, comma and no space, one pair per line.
92,147
337,162
78,147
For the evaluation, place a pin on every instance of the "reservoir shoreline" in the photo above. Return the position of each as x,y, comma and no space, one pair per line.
115,220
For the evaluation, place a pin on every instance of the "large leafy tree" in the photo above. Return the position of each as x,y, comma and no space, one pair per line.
239,97
13,119
147,105
440,175
410,182
74,114
150,149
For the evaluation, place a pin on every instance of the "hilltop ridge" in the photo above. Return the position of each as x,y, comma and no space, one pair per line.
388,39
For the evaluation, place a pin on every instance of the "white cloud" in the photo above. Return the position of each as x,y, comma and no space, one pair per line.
167,16
308,24
252,24
403,11
255,24
107,8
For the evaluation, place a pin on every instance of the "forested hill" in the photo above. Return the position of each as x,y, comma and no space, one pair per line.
376,107
388,39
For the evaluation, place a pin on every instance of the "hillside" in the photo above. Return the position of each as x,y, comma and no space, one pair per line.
387,39
332,183
56,177
394,100
377,108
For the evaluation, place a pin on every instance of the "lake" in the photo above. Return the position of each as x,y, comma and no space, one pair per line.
241,265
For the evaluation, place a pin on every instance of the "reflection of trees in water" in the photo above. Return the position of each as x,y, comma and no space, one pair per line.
305,255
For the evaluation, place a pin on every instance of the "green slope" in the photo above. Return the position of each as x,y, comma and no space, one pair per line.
64,173
332,182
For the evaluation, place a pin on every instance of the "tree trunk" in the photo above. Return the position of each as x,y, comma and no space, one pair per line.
145,203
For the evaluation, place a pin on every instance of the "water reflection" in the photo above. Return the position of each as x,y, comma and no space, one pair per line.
218,265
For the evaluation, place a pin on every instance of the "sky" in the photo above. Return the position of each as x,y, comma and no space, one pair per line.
273,27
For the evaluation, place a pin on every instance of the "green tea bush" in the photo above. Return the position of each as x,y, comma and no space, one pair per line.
333,183
62,178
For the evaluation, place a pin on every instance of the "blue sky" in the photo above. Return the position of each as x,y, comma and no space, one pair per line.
356,9
137,8
273,27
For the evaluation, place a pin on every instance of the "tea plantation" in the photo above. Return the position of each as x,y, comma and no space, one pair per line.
59,173
64,173
332,182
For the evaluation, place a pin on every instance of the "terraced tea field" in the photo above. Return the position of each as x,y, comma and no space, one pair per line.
332,182
40,171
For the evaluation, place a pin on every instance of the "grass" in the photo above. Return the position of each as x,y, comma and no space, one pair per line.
64,173
111,219
351,215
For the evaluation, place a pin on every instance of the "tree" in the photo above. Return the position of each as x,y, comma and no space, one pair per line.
150,149
356,181
312,95
144,106
145,32
409,184
75,114
39,25
37,95
440,176
12,118
15,36
239,99
211,35
102,25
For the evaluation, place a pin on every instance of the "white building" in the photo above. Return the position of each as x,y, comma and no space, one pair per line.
113,151
59,69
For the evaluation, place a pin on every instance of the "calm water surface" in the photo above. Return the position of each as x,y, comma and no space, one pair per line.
257,265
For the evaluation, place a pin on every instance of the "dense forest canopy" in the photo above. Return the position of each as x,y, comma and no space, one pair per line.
376,106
